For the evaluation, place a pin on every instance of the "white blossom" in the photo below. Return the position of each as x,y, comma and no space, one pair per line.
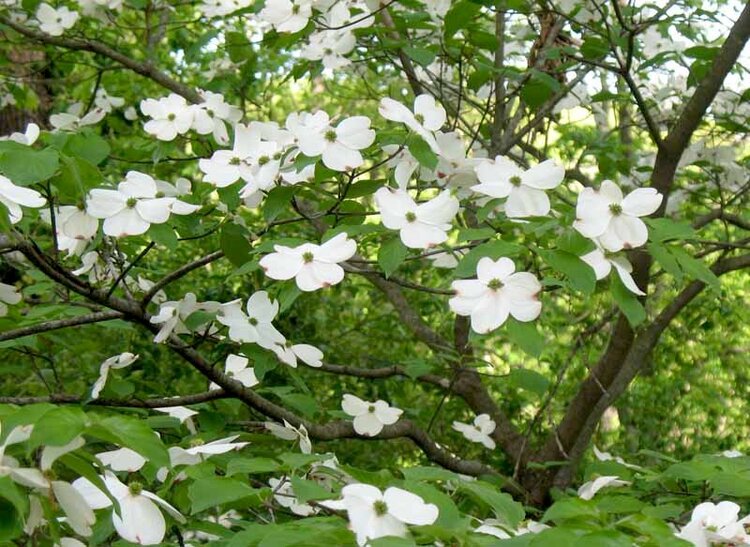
369,418
374,514
420,226
255,326
172,315
589,489
290,433
55,21
602,262
287,15
170,116
117,361
235,367
210,116
496,293
479,431
427,118
13,197
289,353
26,138
283,493
122,459
8,295
715,524
312,266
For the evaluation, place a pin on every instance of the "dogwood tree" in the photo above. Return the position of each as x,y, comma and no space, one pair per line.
339,272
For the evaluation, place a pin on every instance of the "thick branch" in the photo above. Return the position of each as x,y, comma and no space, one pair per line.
161,402
143,68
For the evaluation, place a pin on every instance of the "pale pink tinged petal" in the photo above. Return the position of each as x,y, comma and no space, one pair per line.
631,232
80,515
336,249
545,176
394,111
488,269
409,508
416,235
463,306
95,498
526,202
260,306
338,157
140,521
641,202
154,211
367,424
611,191
355,132
105,203
353,405
138,185
310,355
626,278
393,206
490,313
598,263
433,114
125,223
439,210
281,267
470,288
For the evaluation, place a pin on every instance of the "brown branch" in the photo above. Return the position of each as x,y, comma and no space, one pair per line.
406,64
59,324
179,273
161,402
145,69
382,373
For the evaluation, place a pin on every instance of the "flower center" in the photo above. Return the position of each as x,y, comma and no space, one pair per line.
330,135
515,180
371,409
253,321
135,488
307,257
616,208
295,9
159,195
196,442
410,216
235,161
171,117
131,202
495,284
380,507
81,206
263,160
210,113
419,118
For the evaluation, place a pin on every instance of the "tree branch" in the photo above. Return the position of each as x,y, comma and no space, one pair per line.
59,324
161,402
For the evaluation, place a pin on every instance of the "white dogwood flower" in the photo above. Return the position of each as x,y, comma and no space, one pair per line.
420,226
283,493
138,518
235,366
134,206
170,116
340,146
255,326
172,315
290,433
589,489
287,16
8,295
211,116
614,220
715,524
26,138
374,514
479,431
502,178
117,361
312,266
55,21
122,459
602,262
202,451
289,353
496,293
427,118
369,418
13,197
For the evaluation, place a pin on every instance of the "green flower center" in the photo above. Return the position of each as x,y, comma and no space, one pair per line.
295,9
210,113
263,160
135,488
253,321
371,409
159,195
419,118
515,180
616,208
171,117
307,257
235,161
380,507
131,202
495,284
330,135
410,217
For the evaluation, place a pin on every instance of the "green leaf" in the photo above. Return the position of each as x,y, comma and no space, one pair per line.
526,336
422,152
731,484
88,146
306,490
509,511
420,55
627,302
666,259
570,508
529,380
77,176
199,319
580,275
459,16
58,427
251,466
131,433
24,165
211,492
164,235
694,268
391,255
473,234
429,474
664,229
234,243
276,202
